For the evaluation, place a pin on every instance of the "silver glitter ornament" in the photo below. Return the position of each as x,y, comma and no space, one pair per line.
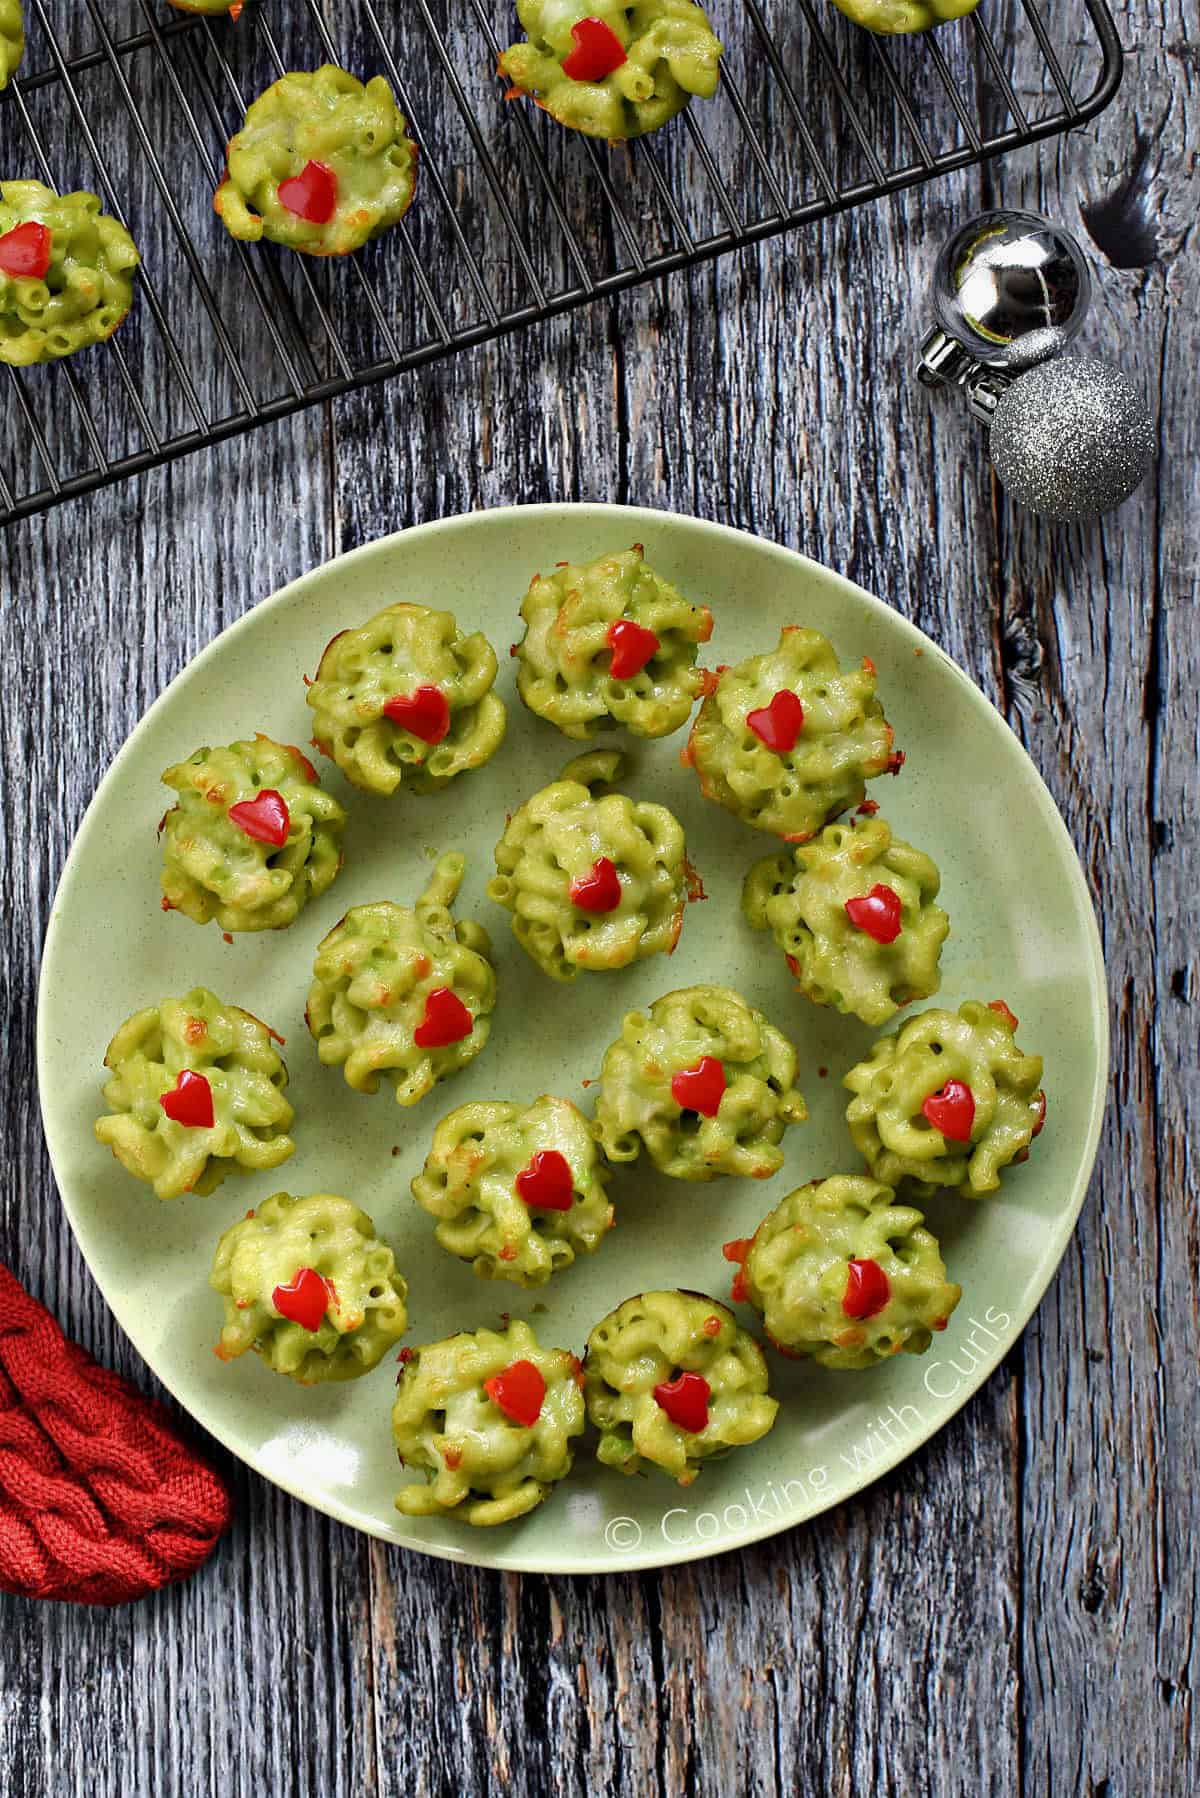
1010,289
1071,439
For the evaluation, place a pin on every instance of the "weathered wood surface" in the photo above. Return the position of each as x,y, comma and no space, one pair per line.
1014,1609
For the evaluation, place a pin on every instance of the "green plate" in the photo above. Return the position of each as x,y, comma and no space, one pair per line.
1022,929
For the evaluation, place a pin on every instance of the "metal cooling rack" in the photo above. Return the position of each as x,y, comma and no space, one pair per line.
515,219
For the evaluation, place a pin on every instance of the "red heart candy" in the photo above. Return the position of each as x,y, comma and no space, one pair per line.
598,891
877,913
304,1300
265,817
446,1020
780,723
952,1111
1002,1011
189,1101
685,1401
867,1289
425,713
598,51
25,250
519,1392
700,1088
632,646
312,194
547,1183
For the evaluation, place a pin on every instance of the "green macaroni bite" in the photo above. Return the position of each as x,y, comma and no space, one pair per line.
592,883
12,39
322,163
196,1093
309,1287
842,1273
853,911
610,643
211,9
488,1417
407,698
252,837
948,1100
895,18
787,740
703,1083
613,68
66,270
517,1191
403,993
672,1380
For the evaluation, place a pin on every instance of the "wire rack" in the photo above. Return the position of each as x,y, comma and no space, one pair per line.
515,220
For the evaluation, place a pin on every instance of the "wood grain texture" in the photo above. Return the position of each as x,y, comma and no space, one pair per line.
1014,1609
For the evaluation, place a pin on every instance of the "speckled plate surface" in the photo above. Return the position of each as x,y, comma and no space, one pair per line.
1022,929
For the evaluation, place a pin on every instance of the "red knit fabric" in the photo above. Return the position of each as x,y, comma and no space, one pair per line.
100,1500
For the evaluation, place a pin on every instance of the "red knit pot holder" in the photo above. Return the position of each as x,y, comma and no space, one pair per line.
100,1499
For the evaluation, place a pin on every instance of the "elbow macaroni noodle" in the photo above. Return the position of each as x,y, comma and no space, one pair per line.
844,741
801,896
87,288
233,1051
373,975
973,1045
327,117
273,1244
469,1185
556,838
564,668
650,1340
670,54
402,648
636,1106
482,1466
213,869
797,1268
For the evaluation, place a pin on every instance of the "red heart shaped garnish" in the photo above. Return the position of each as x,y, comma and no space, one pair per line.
685,1401
1039,1113
312,194
598,891
547,1183
877,913
265,817
867,1289
598,51
700,1088
952,1111
304,1300
189,1101
1002,1011
425,713
632,646
519,1392
780,723
25,250
446,1020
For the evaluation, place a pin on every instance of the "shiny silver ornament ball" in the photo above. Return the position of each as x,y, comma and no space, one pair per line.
1012,288
1071,439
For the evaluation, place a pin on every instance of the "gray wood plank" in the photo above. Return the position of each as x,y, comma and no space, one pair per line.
1111,1418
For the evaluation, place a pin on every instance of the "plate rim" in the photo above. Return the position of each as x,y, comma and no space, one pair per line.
476,1548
